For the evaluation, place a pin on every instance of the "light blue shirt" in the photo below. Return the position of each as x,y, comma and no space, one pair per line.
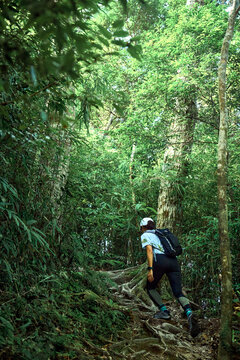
149,238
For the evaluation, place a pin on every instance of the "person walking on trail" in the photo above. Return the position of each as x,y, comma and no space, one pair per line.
158,265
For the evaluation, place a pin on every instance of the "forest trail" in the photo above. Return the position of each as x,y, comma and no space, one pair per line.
151,339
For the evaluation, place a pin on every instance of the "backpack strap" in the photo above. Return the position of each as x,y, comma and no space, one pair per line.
154,253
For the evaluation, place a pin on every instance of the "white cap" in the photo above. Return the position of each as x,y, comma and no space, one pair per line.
145,221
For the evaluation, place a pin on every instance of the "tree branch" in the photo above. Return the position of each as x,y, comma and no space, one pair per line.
237,10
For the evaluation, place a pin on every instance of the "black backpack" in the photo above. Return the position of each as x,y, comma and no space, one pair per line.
170,242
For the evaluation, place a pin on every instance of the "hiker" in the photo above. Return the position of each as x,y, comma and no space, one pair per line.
158,265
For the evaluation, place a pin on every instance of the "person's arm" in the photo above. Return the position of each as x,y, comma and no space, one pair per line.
150,262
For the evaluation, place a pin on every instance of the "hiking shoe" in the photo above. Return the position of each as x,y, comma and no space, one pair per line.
193,325
162,315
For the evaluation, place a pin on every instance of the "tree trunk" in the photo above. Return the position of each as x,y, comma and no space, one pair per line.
110,121
131,174
225,342
175,165
130,240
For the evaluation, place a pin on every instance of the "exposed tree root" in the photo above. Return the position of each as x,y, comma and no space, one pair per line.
148,338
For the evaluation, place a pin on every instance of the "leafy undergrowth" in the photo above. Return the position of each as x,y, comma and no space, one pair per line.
59,316
83,315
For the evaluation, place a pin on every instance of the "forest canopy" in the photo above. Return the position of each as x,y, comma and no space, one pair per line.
109,112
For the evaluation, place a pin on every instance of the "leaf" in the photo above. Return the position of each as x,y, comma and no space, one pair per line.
124,5
118,24
6,323
120,33
103,40
39,231
9,269
90,295
105,32
23,224
30,222
46,279
119,43
151,209
39,238
135,51
95,102
139,206
4,186
9,187
119,109
16,219
24,326
97,46
135,38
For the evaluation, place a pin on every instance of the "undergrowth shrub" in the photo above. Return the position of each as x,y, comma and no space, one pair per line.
58,315
201,264
79,249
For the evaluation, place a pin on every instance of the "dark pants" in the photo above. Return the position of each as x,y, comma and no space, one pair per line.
170,267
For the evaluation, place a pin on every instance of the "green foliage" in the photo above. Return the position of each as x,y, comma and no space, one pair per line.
45,48
67,202
201,266
201,263
57,39
58,314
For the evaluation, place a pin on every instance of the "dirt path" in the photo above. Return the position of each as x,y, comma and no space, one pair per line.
152,339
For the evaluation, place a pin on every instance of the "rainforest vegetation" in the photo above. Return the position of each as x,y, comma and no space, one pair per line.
111,111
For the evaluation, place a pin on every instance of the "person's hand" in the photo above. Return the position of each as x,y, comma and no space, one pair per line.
150,276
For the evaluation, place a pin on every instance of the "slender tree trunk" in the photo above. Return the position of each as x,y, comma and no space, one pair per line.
225,342
175,165
110,121
131,174
130,240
